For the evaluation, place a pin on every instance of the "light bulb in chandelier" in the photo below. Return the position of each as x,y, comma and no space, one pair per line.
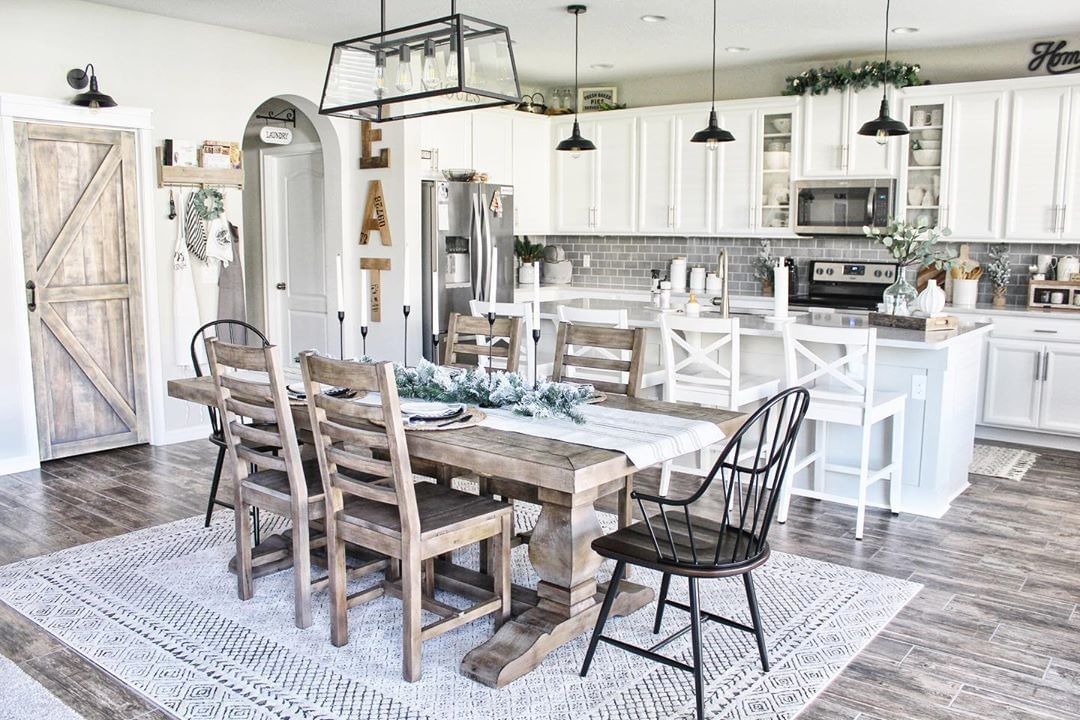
882,137
429,73
380,73
452,62
404,81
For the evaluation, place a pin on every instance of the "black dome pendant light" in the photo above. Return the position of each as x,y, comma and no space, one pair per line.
713,135
883,127
93,98
575,144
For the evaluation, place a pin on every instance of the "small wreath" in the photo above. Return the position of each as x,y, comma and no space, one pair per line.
209,203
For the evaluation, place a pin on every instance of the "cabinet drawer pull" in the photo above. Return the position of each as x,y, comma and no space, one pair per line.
1049,332
1045,365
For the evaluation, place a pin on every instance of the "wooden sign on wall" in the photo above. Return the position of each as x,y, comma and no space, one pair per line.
369,135
375,266
375,216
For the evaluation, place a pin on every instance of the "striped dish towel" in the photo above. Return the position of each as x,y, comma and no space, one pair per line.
194,231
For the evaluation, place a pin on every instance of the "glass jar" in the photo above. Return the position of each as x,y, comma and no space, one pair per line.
899,298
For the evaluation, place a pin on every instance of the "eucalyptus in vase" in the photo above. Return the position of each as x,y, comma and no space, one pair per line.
912,245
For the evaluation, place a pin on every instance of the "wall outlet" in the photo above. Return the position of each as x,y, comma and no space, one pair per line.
586,261
918,387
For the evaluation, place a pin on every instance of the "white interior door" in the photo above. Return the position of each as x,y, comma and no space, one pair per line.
300,277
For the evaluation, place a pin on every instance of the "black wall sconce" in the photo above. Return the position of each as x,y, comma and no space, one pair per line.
92,98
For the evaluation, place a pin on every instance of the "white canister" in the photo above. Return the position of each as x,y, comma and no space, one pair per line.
1067,267
697,279
677,274
713,286
665,294
965,293
1057,297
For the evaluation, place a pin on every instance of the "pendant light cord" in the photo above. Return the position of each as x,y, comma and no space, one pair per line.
714,55
577,19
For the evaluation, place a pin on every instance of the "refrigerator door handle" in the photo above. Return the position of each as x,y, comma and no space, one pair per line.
475,251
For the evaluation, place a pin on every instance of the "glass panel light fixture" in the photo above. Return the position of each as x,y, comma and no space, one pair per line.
713,135
373,77
575,144
883,127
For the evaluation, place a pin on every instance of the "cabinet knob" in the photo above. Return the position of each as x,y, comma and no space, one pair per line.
280,286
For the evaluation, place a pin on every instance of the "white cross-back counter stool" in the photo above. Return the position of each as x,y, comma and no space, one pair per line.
837,366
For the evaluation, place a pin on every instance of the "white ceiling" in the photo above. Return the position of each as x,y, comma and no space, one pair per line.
612,32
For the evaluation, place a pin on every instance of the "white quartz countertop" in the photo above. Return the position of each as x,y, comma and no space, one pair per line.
753,322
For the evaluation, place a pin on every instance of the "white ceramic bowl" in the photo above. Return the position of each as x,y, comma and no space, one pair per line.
782,125
930,144
777,160
924,157
929,134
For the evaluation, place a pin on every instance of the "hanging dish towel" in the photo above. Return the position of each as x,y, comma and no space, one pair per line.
194,231
219,244
231,302
185,301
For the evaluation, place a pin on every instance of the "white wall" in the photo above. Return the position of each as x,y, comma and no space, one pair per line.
201,82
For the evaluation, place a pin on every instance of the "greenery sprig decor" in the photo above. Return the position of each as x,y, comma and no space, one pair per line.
914,244
472,386
528,251
818,81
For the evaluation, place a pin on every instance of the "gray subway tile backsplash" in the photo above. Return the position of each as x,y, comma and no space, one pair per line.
625,261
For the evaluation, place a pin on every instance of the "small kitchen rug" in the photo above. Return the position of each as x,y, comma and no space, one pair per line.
158,610
1002,462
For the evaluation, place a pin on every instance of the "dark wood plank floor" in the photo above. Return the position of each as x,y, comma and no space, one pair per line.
994,634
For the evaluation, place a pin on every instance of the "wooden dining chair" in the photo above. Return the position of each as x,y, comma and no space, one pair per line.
730,543
389,514
280,483
652,373
234,329
462,350
572,343
480,308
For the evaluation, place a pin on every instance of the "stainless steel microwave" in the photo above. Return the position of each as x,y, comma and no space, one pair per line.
843,207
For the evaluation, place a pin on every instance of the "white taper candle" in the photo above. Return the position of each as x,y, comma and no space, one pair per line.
340,286
365,298
405,275
780,289
536,295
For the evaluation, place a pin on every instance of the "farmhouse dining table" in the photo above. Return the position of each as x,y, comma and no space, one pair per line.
565,479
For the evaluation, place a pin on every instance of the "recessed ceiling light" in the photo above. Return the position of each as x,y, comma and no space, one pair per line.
653,18
602,66
737,49
905,30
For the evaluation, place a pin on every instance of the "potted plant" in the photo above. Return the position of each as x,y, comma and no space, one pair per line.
529,254
910,244
764,264
999,272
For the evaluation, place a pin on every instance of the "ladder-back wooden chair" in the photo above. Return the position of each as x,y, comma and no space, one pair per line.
750,472
582,338
480,308
280,483
837,365
388,513
459,353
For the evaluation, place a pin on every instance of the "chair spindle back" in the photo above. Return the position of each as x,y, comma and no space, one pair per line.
581,337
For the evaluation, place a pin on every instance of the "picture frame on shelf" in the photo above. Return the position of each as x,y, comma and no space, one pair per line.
590,99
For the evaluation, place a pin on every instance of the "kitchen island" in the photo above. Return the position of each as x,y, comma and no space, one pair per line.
940,373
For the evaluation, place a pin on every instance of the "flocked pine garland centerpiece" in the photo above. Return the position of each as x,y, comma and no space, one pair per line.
818,81
474,386
910,244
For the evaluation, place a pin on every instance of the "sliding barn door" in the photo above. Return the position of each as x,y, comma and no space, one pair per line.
78,204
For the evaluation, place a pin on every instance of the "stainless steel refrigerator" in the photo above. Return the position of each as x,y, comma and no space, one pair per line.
465,224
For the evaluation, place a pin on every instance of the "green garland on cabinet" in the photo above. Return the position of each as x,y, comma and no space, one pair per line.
818,81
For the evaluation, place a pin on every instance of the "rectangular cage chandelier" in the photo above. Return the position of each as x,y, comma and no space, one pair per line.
449,64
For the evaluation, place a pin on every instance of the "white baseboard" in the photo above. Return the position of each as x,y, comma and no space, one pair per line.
186,434
1025,437
19,464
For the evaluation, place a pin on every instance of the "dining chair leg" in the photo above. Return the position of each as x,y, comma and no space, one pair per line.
661,603
411,594
339,603
896,478
301,547
484,487
500,569
214,486
429,577
256,532
755,616
244,582
601,619
665,479
695,638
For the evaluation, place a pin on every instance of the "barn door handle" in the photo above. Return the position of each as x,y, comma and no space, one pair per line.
31,296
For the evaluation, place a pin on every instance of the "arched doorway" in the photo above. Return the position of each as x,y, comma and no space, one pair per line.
292,220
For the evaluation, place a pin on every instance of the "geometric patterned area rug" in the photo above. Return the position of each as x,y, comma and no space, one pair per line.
1002,462
158,610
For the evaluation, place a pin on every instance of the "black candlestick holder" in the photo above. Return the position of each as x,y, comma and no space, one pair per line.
536,356
341,333
491,342
363,338
405,310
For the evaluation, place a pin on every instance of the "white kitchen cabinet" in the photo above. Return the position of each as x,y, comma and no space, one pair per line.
675,175
1038,149
1013,383
736,186
832,146
531,163
1059,405
596,191
492,141
1070,225
449,138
